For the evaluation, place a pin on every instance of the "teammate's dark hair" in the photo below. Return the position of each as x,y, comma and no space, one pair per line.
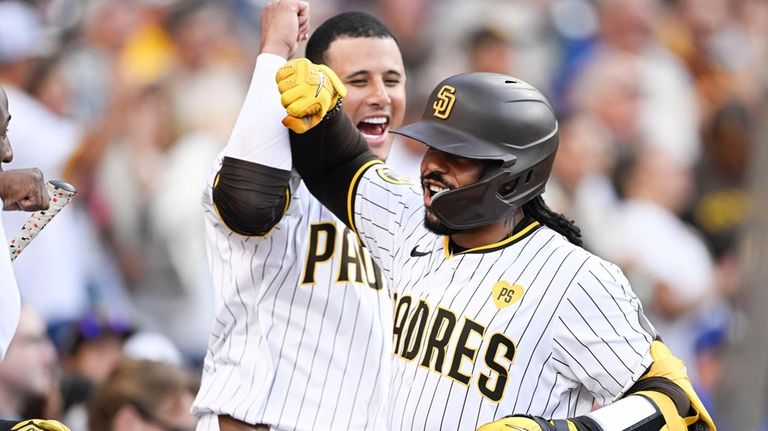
538,210
347,24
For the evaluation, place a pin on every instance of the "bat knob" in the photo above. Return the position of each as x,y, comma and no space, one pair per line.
63,185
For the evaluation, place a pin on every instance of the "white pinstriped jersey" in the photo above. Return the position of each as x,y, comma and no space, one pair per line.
294,344
532,324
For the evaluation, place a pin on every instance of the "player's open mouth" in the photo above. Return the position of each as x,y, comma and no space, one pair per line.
431,188
374,129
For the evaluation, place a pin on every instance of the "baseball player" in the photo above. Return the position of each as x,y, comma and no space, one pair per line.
20,189
497,308
300,340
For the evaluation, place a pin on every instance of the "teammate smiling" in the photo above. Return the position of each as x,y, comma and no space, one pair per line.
371,68
301,336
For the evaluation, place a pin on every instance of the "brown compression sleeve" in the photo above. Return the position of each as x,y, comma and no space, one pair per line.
250,198
327,157
666,387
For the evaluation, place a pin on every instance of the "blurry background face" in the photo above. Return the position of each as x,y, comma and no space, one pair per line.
175,412
29,364
171,413
659,178
199,35
144,395
6,154
628,24
373,72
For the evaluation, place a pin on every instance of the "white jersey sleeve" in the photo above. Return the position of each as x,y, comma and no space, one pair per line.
260,117
381,202
9,295
602,338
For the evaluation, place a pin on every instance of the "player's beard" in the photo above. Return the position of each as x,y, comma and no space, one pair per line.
433,224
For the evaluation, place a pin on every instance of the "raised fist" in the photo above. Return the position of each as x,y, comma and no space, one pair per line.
283,24
307,91
23,190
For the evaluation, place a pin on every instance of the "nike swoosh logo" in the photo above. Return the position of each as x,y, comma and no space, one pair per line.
320,85
416,253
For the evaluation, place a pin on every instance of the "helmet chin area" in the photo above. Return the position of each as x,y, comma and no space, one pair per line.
472,206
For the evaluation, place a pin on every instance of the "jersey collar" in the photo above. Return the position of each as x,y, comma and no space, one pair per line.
523,229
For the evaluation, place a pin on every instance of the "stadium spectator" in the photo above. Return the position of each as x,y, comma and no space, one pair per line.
144,396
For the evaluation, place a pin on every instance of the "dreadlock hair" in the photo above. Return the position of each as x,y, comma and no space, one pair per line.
347,24
538,210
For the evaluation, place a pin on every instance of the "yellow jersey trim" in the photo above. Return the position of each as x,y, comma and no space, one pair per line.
287,200
353,187
495,245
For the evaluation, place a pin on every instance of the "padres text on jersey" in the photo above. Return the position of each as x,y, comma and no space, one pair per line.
302,324
532,324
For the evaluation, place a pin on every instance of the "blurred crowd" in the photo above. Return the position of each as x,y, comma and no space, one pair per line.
130,101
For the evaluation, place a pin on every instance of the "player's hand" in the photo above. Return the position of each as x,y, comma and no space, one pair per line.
284,23
36,425
522,423
23,189
307,91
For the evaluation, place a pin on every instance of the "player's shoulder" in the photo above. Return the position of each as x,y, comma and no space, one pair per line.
385,177
590,262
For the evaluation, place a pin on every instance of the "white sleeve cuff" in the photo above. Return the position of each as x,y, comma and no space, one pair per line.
628,413
259,135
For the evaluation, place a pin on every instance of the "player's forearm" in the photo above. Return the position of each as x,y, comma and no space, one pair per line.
329,157
259,135
634,413
663,399
250,192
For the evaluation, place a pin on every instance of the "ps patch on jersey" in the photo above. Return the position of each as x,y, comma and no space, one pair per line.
505,294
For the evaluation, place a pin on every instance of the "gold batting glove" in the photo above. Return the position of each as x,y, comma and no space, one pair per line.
307,91
667,365
523,423
40,424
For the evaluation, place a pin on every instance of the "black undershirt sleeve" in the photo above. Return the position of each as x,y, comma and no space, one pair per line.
250,198
328,157
666,387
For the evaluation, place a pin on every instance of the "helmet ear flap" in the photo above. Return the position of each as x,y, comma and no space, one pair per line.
507,190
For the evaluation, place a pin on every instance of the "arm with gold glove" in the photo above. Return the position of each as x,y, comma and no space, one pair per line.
662,400
32,425
308,91
327,149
